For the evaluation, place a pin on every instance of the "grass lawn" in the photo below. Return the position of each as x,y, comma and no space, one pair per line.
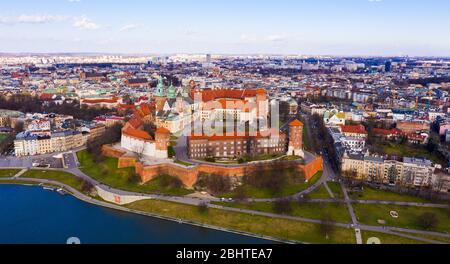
338,212
183,163
370,214
274,227
261,193
336,190
382,195
320,193
59,176
108,173
387,238
291,158
8,173
405,150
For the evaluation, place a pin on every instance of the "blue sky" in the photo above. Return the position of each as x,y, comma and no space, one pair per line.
312,27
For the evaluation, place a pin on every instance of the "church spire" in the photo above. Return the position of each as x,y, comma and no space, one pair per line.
160,88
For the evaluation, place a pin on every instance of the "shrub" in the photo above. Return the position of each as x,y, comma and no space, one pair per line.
282,206
166,181
427,220
203,208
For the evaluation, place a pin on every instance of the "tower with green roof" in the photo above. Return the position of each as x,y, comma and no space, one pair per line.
160,88
172,94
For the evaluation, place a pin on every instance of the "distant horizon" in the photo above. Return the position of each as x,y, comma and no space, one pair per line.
365,28
216,54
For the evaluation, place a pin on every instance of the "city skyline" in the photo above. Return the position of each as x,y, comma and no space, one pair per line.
337,28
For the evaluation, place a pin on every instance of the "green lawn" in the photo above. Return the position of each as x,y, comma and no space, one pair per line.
274,227
320,193
405,150
183,163
59,176
108,173
382,195
338,212
336,189
8,173
261,193
387,238
370,214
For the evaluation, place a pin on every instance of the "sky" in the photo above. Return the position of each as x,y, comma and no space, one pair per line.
307,27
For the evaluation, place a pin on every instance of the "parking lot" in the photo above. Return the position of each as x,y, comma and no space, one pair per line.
28,162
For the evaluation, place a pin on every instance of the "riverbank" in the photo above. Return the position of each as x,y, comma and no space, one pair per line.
306,230
37,216
99,202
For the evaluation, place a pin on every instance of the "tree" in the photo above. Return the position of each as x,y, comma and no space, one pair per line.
282,206
240,195
427,220
87,187
215,183
19,127
166,181
7,143
203,208
133,177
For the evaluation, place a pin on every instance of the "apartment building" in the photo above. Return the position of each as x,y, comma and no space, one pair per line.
29,144
413,172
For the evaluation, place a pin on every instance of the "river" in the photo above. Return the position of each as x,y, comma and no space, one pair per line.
29,214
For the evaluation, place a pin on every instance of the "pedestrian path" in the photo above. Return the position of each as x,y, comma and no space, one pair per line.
329,190
20,173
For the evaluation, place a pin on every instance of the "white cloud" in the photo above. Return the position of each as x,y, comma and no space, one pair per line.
85,23
277,38
32,19
129,27
74,1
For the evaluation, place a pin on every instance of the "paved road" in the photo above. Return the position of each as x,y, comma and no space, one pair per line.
352,215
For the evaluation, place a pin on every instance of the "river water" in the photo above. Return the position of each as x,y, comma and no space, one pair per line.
29,214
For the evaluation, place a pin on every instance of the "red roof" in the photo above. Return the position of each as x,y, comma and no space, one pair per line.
46,96
130,131
296,122
358,129
99,101
162,130
263,134
210,94
385,132
136,121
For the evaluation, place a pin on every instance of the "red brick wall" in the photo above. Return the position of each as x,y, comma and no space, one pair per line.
112,152
190,175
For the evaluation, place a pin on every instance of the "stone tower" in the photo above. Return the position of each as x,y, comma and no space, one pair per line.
296,139
162,140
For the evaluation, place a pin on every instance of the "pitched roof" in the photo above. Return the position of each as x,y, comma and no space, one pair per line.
358,129
213,94
130,131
